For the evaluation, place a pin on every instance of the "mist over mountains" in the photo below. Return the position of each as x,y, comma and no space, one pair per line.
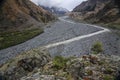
68,4
59,11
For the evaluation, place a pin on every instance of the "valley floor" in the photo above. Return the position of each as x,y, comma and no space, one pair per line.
63,30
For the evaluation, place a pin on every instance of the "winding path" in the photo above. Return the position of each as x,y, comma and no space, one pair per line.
66,37
79,37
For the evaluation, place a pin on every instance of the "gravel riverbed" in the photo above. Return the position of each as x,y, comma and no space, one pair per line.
60,31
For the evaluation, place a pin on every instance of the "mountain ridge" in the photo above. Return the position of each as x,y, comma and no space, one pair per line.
22,13
98,11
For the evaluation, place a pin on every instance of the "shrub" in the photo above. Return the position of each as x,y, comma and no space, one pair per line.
89,72
11,38
108,77
97,48
59,62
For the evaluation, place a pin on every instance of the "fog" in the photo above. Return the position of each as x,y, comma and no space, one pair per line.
68,4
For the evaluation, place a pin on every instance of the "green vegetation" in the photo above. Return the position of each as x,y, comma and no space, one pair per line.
97,48
108,70
113,26
89,72
108,77
59,62
8,39
69,77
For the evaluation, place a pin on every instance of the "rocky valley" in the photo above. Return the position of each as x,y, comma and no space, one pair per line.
37,44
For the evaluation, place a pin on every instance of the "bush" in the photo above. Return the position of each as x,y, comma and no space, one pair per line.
108,77
12,38
59,62
97,48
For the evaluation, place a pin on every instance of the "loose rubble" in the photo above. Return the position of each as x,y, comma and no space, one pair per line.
42,67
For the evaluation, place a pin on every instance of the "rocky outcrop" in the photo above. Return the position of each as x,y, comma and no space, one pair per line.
87,67
21,14
39,66
24,64
104,11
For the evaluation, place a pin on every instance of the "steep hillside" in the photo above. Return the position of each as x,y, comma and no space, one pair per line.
102,11
21,20
18,14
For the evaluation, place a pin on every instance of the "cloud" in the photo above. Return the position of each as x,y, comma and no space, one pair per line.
68,4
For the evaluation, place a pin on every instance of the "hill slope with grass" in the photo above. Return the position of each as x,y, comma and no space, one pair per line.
19,14
21,20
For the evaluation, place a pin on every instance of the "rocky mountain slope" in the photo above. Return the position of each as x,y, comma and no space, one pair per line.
56,10
21,14
40,66
102,11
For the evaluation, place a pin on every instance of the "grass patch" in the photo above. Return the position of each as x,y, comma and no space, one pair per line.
59,62
108,77
113,26
8,39
97,48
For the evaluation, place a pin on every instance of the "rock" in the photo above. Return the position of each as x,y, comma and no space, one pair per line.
2,77
24,64
118,76
76,70
39,77
39,66
93,59
108,71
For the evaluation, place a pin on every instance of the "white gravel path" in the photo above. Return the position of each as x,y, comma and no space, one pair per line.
66,37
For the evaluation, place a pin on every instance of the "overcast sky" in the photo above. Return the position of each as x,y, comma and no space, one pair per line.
68,4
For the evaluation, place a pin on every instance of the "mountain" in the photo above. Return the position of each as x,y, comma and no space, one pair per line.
55,10
103,11
21,14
